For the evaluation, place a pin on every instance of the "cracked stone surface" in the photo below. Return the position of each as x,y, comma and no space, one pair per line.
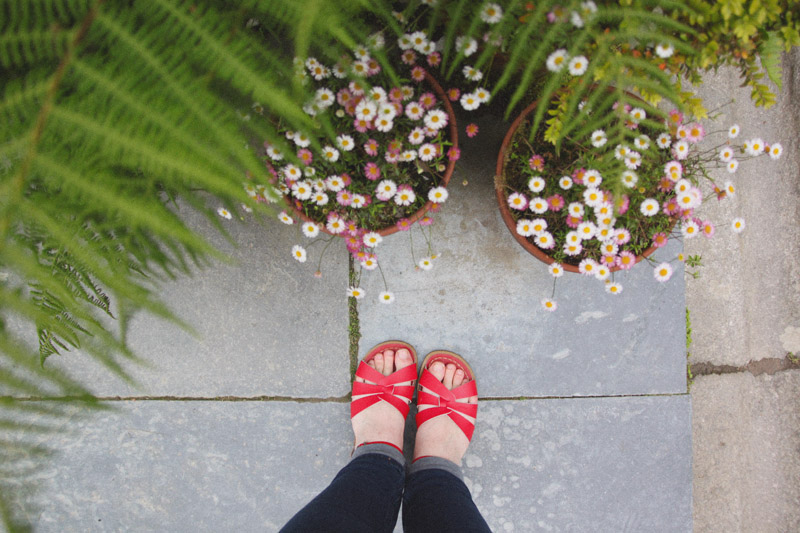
591,464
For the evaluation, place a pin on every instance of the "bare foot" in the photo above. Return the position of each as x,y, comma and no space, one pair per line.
381,421
440,436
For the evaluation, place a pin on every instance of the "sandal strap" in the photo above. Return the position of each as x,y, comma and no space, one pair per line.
443,401
384,388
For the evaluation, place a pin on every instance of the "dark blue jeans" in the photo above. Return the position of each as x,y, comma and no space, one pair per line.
365,497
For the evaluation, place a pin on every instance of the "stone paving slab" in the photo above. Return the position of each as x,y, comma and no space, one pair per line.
746,463
591,464
265,322
482,299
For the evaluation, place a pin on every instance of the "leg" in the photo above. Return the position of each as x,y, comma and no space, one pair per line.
436,498
365,495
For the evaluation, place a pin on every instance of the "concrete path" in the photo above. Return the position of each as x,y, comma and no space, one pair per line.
585,421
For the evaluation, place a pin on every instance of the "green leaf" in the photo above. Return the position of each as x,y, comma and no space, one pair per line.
770,51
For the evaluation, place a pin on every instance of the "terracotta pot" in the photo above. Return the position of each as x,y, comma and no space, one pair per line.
505,211
451,165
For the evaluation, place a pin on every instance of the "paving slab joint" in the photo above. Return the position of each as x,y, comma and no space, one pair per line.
768,365
329,399
353,327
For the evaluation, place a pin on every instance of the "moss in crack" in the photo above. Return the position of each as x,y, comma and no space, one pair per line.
354,328
689,374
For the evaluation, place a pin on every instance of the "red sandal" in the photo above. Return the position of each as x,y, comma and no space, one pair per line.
444,401
382,387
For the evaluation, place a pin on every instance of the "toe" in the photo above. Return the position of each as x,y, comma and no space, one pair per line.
388,362
437,369
378,362
458,378
402,358
449,373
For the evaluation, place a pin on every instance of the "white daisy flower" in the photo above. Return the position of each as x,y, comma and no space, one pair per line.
633,160
599,138
609,248
729,188
425,263
575,209
467,46
339,71
427,152
572,237
621,151
376,41
690,229
576,20
404,42
320,198
602,272
565,182
414,111
756,147
471,73
383,124
366,110
418,40
336,225
544,240
372,239
525,227
681,150
578,65
538,205
482,95
251,190
586,230
726,154
592,178
334,183
369,263
572,249
536,184
638,114
405,197
613,288
358,201
686,200
435,119
664,50
438,195
408,155
664,141
345,142
732,166
642,142
630,179
556,270
491,13
386,189
557,60
292,172
387,110
299,253
274,153
663,272
309,171
469,101
286,219
592,197
224,213
733,131
355,292
683,185
649,207
775,151
386,297
737,225
549,305
302,190
310,229
324,97
588,267
330,153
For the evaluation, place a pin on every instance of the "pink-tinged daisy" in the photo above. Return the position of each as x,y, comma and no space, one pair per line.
675,118
576,209
434,59
738,225
538,205
299,253
544,240
549,305
472,130
344,197
649,207
565,182
555,203
414,111
660,239
664,141
663,272
335,225
572,249
613,288
556,270
732,165
286,219
435,119
403,224
622,236
417,74
438,195
690,229
608,260
517,201
671,207
626,260
372,239
536,162
396,94
454,153
696,132
602,272
392,157
224,213
775,150
387,110
305,155
310,229
427,152
573,221
361,125
622,204
469,101
588,267
454,94
682,133
427,100
708,229
371,171
395,146
355,292
425,221
586,230
680,150
409,57
405,195
733,131
417,136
